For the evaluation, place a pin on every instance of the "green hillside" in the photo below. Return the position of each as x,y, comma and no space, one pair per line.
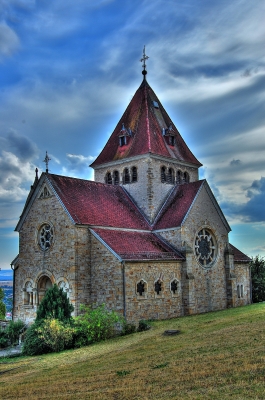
218,355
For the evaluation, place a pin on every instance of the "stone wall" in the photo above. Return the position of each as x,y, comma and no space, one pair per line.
65,263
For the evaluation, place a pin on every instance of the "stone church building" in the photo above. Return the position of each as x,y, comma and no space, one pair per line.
147,237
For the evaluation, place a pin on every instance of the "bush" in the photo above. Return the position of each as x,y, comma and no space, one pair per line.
128,328
13,330
95,325
143,326
258,279
49,335
4,339
55,305
2,304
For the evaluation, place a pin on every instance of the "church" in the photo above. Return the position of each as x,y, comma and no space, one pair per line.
147,237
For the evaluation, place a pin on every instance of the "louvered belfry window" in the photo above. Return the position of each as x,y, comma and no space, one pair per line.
134,174
170,176
126,176
116,177
163,174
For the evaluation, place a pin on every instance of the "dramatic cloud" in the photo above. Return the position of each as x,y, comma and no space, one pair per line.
9,42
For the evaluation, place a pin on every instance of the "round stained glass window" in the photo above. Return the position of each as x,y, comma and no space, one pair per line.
45,236
205,248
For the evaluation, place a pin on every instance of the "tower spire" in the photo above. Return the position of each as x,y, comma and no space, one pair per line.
143,59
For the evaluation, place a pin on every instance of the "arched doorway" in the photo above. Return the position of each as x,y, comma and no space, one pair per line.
44,284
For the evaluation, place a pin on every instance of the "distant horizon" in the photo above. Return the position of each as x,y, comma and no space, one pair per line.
6,275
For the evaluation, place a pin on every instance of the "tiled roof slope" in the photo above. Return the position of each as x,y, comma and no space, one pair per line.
238,255
146,123
137,245
177,205
98,204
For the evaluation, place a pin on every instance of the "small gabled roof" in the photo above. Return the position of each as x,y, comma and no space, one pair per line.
94,203
238,255
179,203
143,123
137,245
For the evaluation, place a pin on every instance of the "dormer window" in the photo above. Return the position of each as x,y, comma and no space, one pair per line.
122,140
124,136
171,140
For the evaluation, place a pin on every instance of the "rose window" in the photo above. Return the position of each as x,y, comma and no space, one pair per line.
45,236
205,247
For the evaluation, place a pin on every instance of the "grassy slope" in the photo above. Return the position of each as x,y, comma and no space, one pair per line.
218,355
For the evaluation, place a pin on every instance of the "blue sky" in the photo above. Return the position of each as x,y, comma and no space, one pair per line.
69,69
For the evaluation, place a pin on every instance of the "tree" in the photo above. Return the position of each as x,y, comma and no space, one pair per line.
258,278
2,304
56,305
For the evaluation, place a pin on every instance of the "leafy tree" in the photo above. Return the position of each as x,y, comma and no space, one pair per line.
55,305
2,304
258,279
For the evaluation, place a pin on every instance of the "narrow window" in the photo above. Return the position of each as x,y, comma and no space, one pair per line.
170,176
108,178
238,291
241,290
134,174
126,176
158,286
179,177
116,177
174,286
163,174
186,177
140,287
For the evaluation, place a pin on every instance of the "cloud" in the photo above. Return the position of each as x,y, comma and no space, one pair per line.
9,41
235,163
21,146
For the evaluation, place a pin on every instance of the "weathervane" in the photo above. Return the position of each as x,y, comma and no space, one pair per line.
46,160
145,57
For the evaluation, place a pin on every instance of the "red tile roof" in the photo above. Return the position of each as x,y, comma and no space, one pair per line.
238,255
95,203
137,245
146,123
177,205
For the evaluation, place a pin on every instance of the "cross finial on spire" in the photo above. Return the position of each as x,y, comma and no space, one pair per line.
46,160
145,57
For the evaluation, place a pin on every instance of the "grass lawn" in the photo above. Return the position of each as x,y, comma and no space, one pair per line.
218,355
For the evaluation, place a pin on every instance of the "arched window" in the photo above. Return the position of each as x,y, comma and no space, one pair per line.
170,176
108,178
186,177
126,176
179,176
44,284
163,175
116,177
174,286
158,286
141,288
134,174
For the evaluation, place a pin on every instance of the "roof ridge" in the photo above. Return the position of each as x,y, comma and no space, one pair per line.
136,205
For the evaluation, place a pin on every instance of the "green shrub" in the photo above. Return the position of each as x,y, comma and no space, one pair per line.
2,304
143,326
128,328
4,339
55,305
34,344
13,330
49,335
95,324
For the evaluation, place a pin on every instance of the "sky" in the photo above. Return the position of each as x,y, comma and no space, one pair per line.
68,70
